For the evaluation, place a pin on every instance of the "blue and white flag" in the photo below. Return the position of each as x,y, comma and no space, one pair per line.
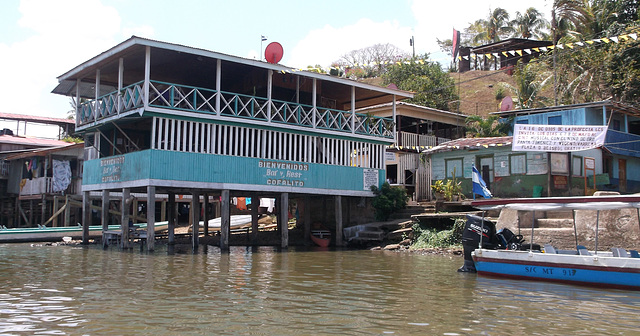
479,187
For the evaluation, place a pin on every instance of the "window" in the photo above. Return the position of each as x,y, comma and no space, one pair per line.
616,125
555,120
452,165
522,121
518,164
576,166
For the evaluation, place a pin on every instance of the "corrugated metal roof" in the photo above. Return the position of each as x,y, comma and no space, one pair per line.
470,143
37,119
70,149
18,140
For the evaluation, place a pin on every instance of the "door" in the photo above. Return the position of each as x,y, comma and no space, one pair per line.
486,169
622,175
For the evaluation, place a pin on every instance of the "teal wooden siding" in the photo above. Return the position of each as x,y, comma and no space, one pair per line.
209,168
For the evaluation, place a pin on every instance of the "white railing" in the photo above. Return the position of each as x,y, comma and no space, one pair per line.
44,185
412,139
202,100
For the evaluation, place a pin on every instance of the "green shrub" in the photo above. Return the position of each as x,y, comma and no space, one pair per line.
388,200
430,237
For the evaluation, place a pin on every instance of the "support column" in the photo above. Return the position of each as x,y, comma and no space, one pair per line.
43,210
255,205
67,211
55,209
124,223
195,226
171,227
306,213
338,210
86,217
205,213
151,217
104,216
225,221
284,217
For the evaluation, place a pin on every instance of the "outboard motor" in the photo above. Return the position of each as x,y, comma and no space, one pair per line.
471,239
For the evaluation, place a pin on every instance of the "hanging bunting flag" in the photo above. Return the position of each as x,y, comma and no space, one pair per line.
504,53
614,39
634,36
495,55
473,56
624,37
488,56
580,44
605,40
519,52
569,45
513,53
560,46
528,51
550,47
536,49
544,49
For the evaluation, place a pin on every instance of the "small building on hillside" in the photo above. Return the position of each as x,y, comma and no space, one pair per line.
163,118
615,166
417,128
500,55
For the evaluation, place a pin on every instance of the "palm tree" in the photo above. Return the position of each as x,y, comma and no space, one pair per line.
528,87
566,15
491,126
530,24
495,27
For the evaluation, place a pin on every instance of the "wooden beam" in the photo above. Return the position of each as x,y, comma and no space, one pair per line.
151,217
225,221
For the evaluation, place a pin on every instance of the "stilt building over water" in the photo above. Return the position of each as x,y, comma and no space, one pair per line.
166,119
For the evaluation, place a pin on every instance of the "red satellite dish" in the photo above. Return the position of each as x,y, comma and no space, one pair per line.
273,53
506,104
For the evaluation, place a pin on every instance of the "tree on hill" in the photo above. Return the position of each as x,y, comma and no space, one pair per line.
433,86
495,27
530,24
370,61
491,126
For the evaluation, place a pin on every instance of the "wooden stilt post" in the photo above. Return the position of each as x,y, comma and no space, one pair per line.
43,209
104,216
30,222
225,221
163,210
134,212
195,226
172,217
205,213
67,211
338,210
86,217
255,205
284,217
124,224
307,220
151,217
55,209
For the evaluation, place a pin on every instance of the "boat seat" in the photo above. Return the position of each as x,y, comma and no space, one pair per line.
582,250
549,249
619,252
634,254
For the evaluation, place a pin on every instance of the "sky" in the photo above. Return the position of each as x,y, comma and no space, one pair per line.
42,39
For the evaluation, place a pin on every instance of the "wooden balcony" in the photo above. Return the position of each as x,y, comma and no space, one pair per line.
44,185
223,104
412,139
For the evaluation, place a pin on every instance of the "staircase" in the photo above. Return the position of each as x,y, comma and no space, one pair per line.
398,226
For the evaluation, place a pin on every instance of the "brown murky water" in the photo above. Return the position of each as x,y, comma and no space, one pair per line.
88,291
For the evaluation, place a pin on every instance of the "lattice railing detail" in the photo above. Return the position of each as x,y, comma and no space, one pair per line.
203,100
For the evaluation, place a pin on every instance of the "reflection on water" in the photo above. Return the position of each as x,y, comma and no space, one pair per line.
71,290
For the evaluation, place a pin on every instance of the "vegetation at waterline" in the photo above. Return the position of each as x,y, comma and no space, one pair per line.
388,200
424,237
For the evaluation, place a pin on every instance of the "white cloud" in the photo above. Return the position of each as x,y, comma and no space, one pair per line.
323,46
64,33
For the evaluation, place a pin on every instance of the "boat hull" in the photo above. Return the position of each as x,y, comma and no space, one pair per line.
602,270
321,238
52,234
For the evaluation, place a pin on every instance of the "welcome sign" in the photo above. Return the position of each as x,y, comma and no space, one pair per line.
557,138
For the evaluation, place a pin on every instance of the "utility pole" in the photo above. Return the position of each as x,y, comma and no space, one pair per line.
413,44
